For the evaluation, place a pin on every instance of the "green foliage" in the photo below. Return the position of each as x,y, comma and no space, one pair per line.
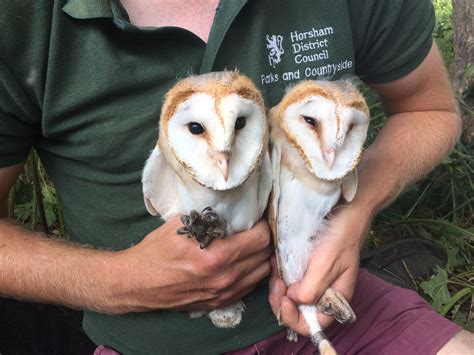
449,292
437,289
443,32
33,200
439,208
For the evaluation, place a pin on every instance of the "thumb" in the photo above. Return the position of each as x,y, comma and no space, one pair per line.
318,277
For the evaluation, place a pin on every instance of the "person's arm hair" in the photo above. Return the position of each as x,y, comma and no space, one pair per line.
33,267
165,270
422,128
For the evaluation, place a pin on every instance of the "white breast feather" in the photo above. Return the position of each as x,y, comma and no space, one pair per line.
167,194
300,223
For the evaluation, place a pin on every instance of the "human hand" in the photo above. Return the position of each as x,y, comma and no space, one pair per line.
170,271
334,263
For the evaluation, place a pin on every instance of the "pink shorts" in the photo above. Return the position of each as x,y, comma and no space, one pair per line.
390,320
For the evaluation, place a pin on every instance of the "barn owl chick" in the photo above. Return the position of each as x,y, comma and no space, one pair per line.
317,136
211,156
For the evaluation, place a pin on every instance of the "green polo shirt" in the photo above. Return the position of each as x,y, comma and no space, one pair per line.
83,86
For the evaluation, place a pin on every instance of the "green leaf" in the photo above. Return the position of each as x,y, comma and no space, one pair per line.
49,195
24,193
50,215
467,291
24,212
454,248
458,317
436,288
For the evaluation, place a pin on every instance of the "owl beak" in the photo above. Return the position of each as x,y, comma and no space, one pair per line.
222,161
329,155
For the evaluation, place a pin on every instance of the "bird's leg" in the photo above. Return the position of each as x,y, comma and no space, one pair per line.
204,227
318,338
323,344
334,303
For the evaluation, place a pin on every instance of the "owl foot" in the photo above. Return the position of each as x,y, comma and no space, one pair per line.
228,317
326,348
197,314
205,226
322,343
334,303
278,317
291,335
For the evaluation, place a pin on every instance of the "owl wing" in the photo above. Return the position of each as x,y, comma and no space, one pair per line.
264,183
159,182
274,199
349,186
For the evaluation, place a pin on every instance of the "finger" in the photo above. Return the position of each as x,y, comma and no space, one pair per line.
346,282
225,283
253,276
320,274
274,272
277,291
277,288
242,287
251,263
292,317
324,320
243,244
219,301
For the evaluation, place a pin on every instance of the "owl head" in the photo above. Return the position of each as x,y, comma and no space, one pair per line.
213,129
327,122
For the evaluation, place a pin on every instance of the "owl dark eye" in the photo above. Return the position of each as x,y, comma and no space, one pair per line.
351,127
310,120
240,122
195,128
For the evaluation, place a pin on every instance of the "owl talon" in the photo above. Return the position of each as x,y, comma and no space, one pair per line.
182,230
204,227
291,335
334,303
205,242
278,317
228,317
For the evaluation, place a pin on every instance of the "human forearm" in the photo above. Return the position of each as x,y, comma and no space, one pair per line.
408,147
422,128
163,271
33,267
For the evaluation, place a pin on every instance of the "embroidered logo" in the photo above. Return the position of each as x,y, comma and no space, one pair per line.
274,44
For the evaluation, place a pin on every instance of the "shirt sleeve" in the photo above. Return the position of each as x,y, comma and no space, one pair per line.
18,120
391,37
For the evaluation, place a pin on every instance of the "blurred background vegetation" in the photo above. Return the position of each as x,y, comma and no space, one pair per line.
438,208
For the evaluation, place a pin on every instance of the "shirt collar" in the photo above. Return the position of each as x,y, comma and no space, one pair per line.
112,9
92,9
225,16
